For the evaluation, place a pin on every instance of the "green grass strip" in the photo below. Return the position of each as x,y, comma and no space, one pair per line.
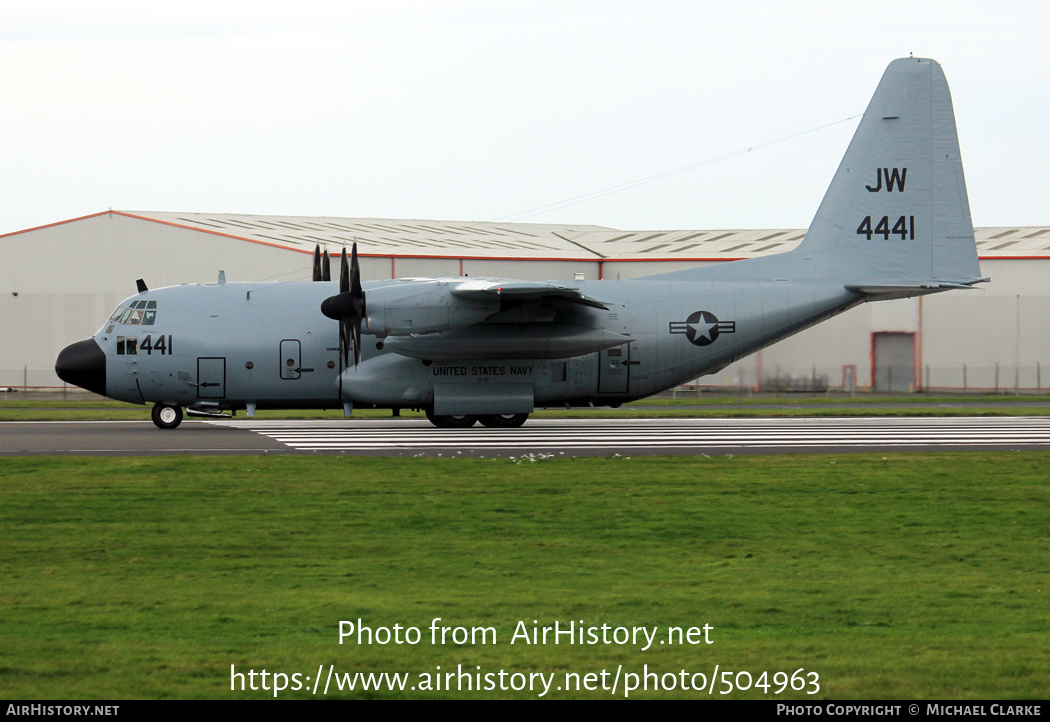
711,406
892,576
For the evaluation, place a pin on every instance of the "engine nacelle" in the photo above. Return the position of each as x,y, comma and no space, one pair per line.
411,307
508,340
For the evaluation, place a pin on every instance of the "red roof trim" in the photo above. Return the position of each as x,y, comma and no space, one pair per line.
443,257
214,233
57,223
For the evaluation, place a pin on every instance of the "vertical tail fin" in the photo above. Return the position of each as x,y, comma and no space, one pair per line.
896,214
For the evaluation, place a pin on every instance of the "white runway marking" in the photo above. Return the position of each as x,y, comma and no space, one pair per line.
637,435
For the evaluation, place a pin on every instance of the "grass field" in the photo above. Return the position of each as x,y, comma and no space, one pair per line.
891,576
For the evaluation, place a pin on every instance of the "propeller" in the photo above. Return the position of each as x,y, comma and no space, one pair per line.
322,265
348,307
317,262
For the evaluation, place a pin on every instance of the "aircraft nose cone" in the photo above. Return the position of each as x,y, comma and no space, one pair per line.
83,364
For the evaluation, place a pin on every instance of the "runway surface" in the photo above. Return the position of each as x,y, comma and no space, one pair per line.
568,437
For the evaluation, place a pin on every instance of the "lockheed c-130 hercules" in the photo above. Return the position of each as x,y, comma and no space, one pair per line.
894,223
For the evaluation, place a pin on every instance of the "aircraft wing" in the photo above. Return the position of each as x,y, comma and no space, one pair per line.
481,289
448,319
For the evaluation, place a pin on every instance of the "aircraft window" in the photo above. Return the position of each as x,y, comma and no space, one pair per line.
127,345
124,316
117,314
135,319
151,304
148,318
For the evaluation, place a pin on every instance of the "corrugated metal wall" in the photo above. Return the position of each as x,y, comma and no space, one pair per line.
69,277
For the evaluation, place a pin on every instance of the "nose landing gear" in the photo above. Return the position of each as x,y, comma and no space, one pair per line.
166,416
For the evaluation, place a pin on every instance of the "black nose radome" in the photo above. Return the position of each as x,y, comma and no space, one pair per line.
83,364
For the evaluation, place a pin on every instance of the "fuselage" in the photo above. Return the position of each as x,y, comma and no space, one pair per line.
237,345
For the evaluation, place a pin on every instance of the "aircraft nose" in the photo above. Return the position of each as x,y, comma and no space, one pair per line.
83,364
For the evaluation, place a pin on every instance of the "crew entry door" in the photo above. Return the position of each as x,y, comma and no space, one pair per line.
211,378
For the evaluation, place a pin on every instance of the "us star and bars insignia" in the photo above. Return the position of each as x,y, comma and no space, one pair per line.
702,327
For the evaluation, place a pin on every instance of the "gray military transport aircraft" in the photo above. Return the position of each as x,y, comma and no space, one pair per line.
894,223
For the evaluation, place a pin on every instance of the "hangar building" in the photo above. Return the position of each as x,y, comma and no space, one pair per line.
59,282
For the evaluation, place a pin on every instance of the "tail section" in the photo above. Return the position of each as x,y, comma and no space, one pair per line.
896,213
895,221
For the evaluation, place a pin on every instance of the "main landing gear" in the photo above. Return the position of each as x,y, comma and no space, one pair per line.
493,421
503,421
167,417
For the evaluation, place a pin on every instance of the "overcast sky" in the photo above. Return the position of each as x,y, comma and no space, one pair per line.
487,109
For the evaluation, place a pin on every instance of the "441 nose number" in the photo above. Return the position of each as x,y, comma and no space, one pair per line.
162,345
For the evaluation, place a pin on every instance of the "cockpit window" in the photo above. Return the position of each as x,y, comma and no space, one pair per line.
137,313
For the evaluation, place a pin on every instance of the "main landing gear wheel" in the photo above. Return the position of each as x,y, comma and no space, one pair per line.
451,422
503,421
167,417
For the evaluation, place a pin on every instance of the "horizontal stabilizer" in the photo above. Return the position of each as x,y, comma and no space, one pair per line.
905,290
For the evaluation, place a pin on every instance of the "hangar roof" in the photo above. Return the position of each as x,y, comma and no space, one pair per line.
493,239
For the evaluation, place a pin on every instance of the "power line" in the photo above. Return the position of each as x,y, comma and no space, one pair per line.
539,210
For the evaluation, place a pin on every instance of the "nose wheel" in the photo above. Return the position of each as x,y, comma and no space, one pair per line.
167,417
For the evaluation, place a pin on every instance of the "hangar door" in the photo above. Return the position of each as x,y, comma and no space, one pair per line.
894,362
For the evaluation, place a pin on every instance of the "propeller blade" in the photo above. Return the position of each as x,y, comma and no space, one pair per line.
317,262
356,330
326,267
357,303
344,340
344,274
355,274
